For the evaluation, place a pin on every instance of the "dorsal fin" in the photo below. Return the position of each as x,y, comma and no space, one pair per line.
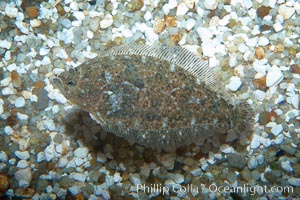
180,56
175,54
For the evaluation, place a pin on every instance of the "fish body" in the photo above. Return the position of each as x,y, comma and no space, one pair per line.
160,97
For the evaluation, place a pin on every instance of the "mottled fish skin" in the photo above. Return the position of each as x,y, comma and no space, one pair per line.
149,95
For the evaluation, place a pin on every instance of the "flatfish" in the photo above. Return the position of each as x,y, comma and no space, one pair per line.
160,97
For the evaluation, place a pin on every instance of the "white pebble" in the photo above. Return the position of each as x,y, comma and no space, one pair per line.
35,23
127,33
243,48
22,164
148,16
23,27
286,11
105,194
252,42
260,159
5,44
22,155
12,161
233,60
3,156
294,181
151,35
234,84
7,55
1,106
265,141
135,179
182,9
274,76
21,116
166,9
68,36
60,98
276,129
79,15
204,33
23,176
279,139
59,148
33,98
75,189
260,95
294,100
46,60
196,172
252,162
12,67
73,5
62,54
247,4
117,177
89,34
204,166
101,157
40,156
279,99
49,152
76,23
208,50
78,176
109,180
19,102
44,51
81,152
286,166
23,144
98,189
8,90
210,5
172,4
178,178
62,162
170,183
55,109
239,70
106,22
11,11
8,130
5,82
255,142
26,94
190,3
263,41
78,161
49,125
277,27
190,23
58,71
225,148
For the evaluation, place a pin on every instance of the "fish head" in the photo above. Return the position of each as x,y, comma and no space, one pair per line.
67,84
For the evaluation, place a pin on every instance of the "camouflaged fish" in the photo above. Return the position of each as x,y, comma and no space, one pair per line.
160,97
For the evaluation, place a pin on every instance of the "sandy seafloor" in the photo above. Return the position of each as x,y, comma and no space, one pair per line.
50,149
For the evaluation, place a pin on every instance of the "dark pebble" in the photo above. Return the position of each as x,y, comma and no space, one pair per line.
237,160
263,11
43,100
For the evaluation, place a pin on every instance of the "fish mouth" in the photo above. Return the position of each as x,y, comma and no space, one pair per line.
58,83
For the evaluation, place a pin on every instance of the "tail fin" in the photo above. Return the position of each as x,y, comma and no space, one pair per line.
245,119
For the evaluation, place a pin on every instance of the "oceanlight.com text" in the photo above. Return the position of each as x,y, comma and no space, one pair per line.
190,188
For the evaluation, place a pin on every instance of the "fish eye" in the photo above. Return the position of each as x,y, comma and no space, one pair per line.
71,82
